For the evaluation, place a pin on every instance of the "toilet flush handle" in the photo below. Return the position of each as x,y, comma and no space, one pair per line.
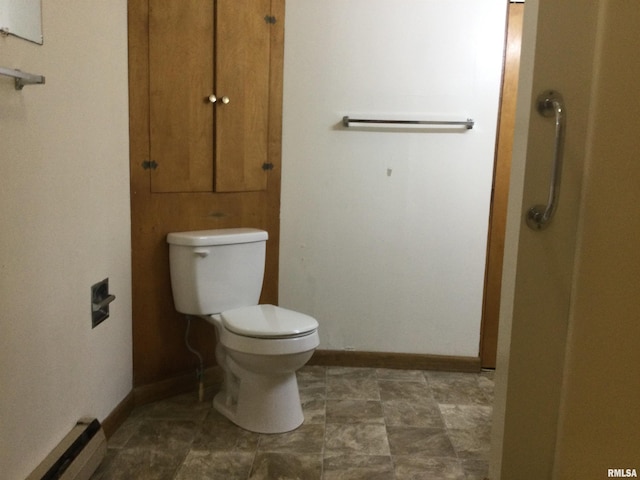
201,252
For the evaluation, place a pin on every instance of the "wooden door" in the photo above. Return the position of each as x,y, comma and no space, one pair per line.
181,53
242,71
198,49
500,193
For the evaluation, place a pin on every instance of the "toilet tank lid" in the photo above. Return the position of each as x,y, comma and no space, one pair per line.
222,236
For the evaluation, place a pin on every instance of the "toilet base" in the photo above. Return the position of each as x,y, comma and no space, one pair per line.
264,403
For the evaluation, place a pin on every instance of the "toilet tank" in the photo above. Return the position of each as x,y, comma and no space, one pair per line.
216,270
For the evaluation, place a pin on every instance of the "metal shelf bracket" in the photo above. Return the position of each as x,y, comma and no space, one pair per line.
22,78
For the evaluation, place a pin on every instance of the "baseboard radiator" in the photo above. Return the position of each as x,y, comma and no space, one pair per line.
77,456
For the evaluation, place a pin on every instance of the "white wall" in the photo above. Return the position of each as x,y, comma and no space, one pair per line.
64,225
383,233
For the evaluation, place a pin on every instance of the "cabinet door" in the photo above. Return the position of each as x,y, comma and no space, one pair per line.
181,52
196,145
242,75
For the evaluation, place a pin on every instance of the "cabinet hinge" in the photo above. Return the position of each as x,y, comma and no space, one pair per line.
269,19
149,164
267,166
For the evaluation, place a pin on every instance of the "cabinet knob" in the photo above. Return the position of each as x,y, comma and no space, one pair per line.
214,99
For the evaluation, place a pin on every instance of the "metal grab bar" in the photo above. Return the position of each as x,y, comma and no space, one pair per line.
468,123
550,104
21,78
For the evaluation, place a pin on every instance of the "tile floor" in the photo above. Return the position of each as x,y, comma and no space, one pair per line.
360,423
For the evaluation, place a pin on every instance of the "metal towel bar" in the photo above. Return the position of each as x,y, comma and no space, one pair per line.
22,78
468,123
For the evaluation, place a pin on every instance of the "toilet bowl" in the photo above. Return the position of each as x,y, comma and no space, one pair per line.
217,275
260,391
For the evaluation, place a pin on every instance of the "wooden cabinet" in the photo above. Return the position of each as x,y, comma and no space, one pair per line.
209,95
195,165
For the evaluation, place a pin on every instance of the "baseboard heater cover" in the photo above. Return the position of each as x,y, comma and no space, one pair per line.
77,456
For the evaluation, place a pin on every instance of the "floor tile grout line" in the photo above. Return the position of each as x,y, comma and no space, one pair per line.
324,424
253,461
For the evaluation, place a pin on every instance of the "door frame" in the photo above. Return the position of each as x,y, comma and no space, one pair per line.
500,188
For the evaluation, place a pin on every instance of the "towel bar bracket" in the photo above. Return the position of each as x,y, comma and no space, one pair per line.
22,78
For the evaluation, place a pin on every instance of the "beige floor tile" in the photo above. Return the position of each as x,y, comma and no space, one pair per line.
358,467
359,438
281,466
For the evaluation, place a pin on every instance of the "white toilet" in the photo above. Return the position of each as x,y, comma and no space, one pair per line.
217,275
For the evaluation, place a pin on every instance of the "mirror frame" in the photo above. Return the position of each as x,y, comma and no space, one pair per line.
22,19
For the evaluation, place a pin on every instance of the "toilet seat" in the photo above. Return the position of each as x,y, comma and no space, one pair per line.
268,322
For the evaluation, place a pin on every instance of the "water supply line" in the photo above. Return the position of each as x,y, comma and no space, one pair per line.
200,370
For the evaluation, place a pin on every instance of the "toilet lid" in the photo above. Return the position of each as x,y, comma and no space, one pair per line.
267,321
